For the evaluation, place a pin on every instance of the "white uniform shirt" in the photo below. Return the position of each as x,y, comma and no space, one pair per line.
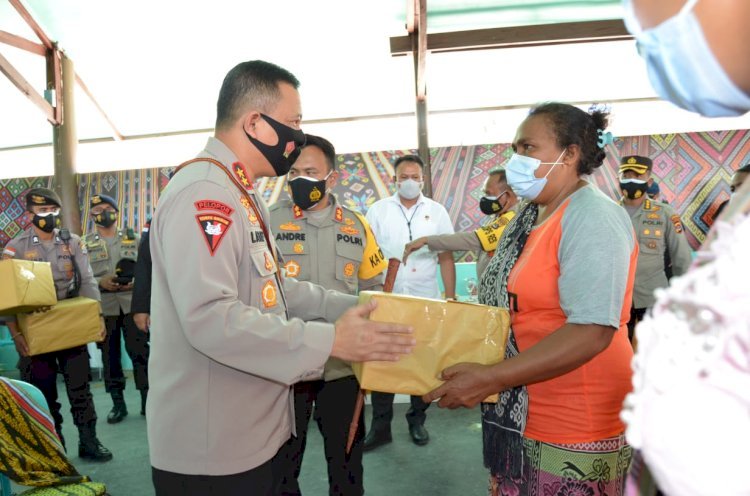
394,226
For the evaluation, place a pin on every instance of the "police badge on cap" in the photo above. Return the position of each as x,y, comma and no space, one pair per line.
42,197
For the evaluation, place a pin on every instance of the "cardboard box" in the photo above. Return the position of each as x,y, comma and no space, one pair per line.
70,323
447,333
25,286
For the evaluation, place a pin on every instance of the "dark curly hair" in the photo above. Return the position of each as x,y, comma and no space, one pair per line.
573,126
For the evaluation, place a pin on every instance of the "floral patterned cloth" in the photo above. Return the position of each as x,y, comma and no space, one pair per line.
597,468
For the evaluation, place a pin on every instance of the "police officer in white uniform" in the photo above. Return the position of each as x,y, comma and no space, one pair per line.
109,249
229,333
71,272
331,245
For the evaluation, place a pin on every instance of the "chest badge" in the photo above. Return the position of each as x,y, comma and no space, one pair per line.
349,269
268,294
292,268
298,248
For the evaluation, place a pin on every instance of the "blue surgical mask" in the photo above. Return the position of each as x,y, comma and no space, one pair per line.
519,171
681,66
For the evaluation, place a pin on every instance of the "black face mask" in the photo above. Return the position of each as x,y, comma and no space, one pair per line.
46,223
105,219
307,192
633,188
283,154
490,206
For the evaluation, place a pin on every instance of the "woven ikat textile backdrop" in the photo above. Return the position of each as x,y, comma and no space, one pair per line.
693,171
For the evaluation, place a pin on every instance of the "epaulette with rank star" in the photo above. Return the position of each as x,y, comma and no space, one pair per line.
297,212
339,216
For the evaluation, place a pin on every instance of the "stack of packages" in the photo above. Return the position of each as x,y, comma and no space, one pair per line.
28,292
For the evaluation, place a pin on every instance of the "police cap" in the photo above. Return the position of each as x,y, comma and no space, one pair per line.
102,200
42,197
636,163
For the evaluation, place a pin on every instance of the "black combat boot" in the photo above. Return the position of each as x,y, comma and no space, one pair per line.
119,410
89,446
144,397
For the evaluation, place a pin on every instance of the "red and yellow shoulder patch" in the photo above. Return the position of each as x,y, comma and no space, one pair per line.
213,228
241,173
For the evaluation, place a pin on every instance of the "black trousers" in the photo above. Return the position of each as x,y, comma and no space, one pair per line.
334,407
636,315
137,346
73,364
382,411
260,481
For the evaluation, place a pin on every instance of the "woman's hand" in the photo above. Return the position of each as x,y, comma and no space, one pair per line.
412,247
466,385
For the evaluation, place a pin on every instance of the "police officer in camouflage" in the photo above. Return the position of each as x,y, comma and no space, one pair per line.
109,247
72,274
328,244
659,232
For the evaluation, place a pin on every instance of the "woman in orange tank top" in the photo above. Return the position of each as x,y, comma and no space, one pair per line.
564,267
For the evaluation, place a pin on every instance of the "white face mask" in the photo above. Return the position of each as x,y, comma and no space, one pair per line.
519,171
681,66
409,189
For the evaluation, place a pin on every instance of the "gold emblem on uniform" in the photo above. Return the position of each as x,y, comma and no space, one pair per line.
96,199
348,221
652,245
349,230
652,216
292,268
298,248
290,226
268,294
315,194
269,262
38,199
349,269
657,232
631,160
252,217
647,231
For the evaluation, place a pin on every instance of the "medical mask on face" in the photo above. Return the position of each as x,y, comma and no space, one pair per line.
284,153
490,205
106,218
681,66
409,189
47,221
307,191
633,189
519,172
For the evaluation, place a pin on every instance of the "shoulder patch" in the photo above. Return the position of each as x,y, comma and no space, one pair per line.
213,228
214,205
677,223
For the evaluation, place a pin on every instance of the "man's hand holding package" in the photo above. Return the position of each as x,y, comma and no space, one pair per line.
360,340
466,385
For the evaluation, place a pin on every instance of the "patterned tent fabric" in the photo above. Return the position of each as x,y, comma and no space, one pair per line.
693,171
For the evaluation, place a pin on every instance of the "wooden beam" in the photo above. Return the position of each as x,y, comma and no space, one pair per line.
518,36
115,132
20,82
420,51
32,24
54,69
22,43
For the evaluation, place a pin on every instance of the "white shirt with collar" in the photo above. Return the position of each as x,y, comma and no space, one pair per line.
394,226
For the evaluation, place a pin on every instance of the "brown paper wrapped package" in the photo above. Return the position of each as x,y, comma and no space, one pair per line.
25,286
70,323
447,333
